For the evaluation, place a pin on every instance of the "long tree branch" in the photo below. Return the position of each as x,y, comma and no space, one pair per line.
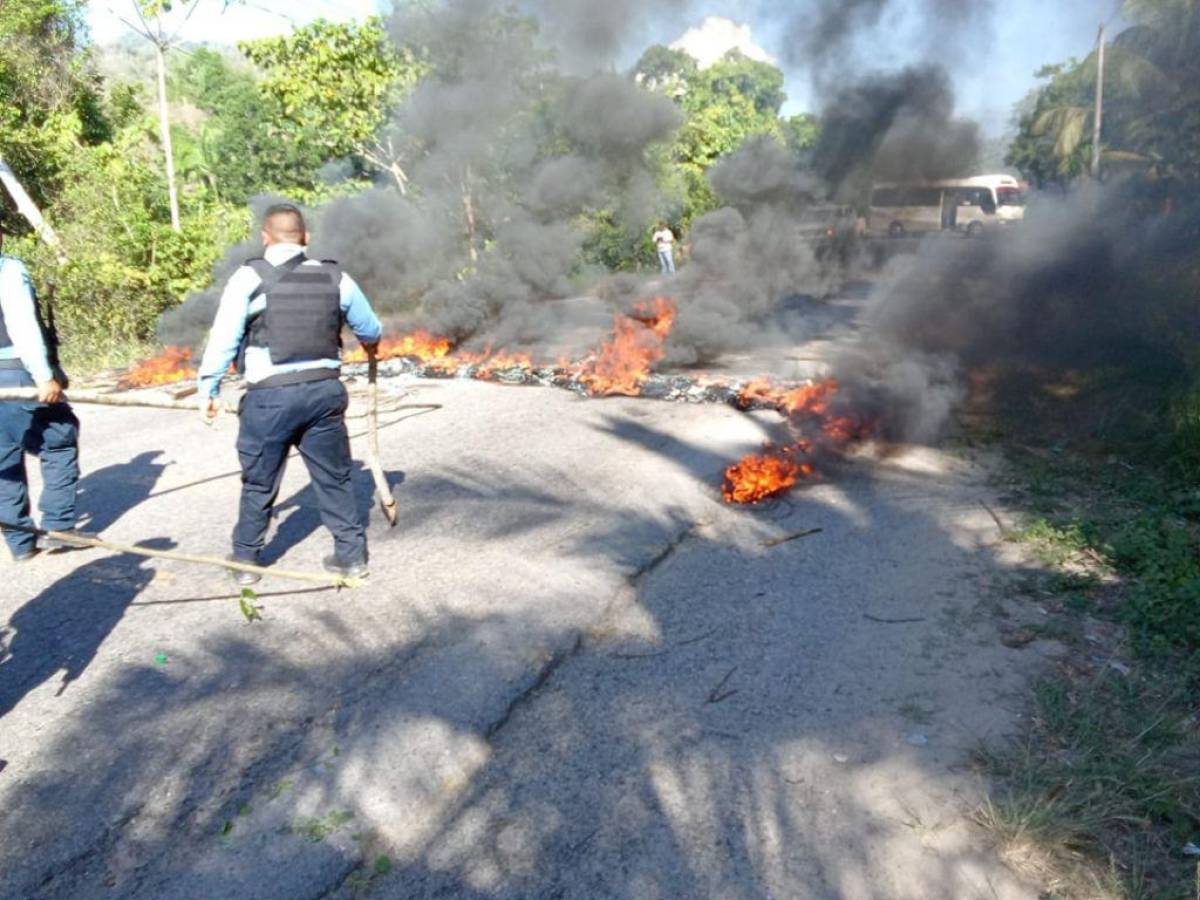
386,161
186,16
145,29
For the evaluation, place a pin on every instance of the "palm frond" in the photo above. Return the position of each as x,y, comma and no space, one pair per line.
1067,126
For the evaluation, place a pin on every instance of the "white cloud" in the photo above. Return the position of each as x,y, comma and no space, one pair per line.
715,37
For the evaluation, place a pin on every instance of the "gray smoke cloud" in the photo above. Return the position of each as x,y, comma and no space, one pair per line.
747,255
830,38
1094,282
898,126
486,231
486,236
532,235
1088,281
591,36
767,243
877,125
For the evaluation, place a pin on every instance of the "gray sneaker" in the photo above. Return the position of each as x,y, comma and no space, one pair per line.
347,569
244,579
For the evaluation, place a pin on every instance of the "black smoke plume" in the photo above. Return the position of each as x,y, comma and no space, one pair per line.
486,232
486,236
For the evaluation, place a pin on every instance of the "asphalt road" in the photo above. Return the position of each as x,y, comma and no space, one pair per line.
574,673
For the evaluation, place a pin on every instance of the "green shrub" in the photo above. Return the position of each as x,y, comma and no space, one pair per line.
1183,433
124,264
1163,609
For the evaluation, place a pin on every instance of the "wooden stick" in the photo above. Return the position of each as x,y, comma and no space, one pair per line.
775,542
101,399
79,541
182,391
995,518
387,500
27,208
883,621
429,407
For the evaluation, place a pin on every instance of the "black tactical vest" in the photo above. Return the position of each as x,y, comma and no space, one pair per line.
49,334
302,321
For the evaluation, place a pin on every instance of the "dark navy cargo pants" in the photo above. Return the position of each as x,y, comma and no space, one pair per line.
311,417
52,434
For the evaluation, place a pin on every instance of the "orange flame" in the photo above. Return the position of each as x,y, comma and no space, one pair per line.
435,352
810,399
777,470
758,477
844,429
501,361
421,344
173,364
622,364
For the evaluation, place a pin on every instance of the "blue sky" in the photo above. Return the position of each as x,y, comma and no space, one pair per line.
996,72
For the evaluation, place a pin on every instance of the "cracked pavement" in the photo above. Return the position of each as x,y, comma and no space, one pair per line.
574,672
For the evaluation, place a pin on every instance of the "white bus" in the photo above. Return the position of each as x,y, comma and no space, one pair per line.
972,205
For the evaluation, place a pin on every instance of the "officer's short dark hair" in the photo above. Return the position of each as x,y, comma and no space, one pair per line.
284,221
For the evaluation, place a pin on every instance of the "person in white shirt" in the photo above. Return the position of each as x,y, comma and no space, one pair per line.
664,243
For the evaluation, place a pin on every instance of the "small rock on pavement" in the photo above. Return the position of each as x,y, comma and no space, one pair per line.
918,740
841,758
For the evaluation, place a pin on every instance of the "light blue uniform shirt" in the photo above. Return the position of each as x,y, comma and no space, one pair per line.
20,318
236,308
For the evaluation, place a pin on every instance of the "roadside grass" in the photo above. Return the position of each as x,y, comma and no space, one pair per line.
1099,796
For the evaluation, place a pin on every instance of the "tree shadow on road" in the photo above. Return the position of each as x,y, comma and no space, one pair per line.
62,628
735,729
298,516
478,504
107,494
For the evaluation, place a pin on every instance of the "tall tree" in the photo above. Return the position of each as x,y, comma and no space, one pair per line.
49,96
801,133
153,24
666,71
336,85
1151,108
232,143
724,104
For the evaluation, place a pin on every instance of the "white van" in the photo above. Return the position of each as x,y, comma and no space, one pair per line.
960,204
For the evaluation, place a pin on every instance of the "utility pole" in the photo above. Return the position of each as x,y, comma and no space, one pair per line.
1098,118
150,26
165,129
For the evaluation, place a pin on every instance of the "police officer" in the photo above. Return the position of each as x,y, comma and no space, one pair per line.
47,428
281,315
